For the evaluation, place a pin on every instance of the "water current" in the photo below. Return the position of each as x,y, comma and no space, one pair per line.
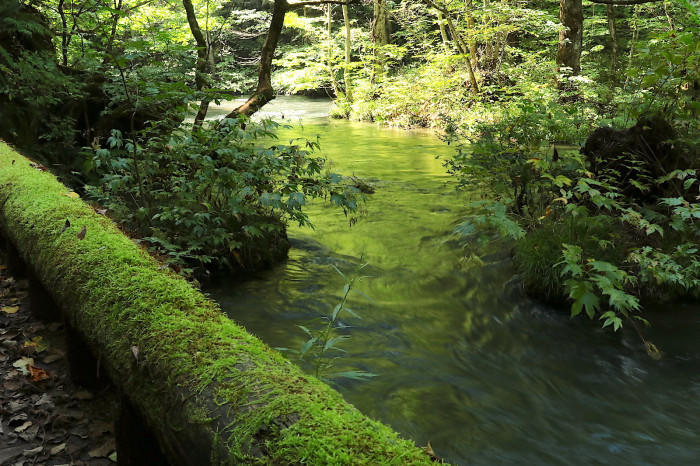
463,359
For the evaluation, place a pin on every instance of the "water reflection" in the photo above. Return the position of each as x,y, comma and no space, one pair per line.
466,362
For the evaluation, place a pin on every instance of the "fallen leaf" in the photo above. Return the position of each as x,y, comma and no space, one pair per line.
135,352
38,166
81,234
431,453
33,451
113,457
72,195
30,434
103,450
22,365
38,374
10,309
45,400
57,449
14,406
101,211
65,226
37,343
25,425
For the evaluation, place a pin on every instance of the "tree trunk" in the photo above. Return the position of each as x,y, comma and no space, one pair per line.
443,32
570,36
473,52
462,49
64,33
329,37
264,92
205,60
633,41
348,38
380,36
612,28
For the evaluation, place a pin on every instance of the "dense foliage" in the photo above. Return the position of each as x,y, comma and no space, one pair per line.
510,84
615,225
212,197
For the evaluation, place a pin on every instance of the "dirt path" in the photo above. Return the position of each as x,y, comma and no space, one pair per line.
45,419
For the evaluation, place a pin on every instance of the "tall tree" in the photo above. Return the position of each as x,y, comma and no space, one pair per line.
381,35
346,72
571,33
570,36
264,91
206,61
612,29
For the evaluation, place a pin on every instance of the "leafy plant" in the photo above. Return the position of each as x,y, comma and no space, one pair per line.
215,197
323,343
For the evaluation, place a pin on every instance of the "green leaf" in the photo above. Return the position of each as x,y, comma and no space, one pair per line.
330,344
306,346
339,272
355,375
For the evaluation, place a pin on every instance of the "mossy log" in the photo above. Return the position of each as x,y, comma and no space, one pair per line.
208,390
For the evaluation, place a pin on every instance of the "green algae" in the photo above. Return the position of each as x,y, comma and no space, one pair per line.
196,370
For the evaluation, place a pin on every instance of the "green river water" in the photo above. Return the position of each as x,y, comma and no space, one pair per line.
464,360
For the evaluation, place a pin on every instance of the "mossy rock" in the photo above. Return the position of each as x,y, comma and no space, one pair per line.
210,392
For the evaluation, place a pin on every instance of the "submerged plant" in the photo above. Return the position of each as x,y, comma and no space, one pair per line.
322,346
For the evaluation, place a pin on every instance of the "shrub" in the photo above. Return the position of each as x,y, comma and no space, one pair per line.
216,197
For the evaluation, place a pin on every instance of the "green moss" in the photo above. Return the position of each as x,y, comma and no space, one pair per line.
196,370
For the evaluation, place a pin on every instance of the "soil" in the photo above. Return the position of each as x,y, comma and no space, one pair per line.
46,419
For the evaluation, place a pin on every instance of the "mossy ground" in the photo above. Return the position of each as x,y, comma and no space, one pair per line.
195,369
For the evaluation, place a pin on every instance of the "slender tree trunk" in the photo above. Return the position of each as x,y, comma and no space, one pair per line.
668,17
612,28
473,52
329,36
64,33
635,35
570,36
205,60
380,36
348,39
264,92
115,23
462,49
443,32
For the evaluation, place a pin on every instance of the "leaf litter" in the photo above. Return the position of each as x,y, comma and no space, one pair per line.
44,417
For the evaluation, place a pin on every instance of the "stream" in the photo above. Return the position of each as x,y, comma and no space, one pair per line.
463,359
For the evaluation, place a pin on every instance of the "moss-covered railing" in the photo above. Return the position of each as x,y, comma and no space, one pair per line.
207,390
